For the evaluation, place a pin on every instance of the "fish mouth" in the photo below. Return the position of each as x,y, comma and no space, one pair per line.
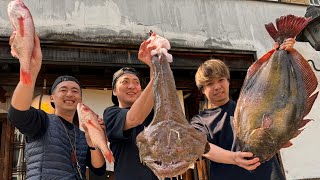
169,169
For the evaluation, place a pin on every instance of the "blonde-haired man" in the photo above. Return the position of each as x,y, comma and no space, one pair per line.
226,161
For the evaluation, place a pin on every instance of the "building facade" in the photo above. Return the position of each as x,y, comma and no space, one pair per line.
92,39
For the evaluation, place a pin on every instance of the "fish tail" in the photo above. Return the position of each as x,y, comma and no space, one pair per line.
107,153
287,27
25,77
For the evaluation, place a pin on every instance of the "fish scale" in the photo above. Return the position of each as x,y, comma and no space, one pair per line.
278,92
96,133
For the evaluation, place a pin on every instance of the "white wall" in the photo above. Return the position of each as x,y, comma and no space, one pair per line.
218,24
302,160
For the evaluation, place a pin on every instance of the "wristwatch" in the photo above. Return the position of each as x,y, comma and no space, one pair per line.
92,148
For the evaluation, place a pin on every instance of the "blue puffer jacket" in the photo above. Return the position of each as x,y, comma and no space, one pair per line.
50,156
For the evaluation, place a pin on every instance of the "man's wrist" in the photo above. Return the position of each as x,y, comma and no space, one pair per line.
92,148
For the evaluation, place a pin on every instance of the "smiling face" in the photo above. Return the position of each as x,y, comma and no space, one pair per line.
66,96
127,90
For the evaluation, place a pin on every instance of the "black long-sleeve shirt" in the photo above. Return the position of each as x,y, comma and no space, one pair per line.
34,123
217,124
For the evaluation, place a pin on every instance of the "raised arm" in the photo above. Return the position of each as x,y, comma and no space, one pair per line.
142,107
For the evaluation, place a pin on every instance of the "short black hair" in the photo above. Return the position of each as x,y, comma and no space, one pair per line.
116,75
59,80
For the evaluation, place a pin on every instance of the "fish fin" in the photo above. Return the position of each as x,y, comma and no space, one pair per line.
309,104
297,133
13,52
273,32
266,122
287,144
309,79
256,65
303,122
288,26
12,36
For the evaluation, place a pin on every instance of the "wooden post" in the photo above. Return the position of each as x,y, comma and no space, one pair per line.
187,175
202,169
6,148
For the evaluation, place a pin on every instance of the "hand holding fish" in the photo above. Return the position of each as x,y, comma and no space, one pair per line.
89,142
94,130
36,59
287,45
144,54
241,159
278,93
22,38
155,45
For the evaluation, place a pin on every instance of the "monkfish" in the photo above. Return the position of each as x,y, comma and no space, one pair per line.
22,37
278,92
169,145
96,132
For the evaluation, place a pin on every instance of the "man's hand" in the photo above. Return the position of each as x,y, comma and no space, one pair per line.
287,45
145,52
241,159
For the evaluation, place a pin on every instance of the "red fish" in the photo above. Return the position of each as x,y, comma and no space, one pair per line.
278,92
22,37
96,132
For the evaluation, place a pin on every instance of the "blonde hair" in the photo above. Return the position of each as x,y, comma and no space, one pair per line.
212,68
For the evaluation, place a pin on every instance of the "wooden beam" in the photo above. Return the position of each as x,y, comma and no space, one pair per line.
94,81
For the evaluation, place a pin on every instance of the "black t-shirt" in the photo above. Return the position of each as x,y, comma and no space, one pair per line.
123,145
217,124
34,123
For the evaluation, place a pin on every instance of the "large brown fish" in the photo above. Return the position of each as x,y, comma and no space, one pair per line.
22,37
97,134
278,92
169,145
